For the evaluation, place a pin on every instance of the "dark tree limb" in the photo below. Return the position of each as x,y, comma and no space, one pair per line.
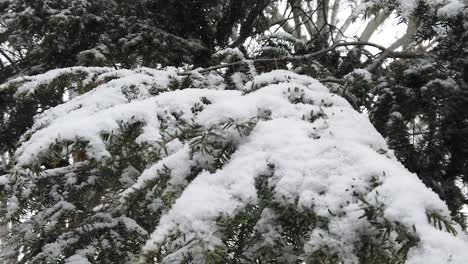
385,51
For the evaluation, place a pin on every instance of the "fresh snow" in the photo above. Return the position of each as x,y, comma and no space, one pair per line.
321,150
362,73
447,8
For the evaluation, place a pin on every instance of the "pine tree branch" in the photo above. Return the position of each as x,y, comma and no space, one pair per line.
388,53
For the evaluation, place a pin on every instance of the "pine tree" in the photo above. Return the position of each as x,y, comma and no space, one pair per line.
43,35
152,166
416,103
421,112
244,160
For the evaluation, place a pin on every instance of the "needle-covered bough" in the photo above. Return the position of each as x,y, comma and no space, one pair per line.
150,166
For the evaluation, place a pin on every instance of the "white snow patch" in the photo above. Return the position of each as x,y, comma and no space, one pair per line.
322,151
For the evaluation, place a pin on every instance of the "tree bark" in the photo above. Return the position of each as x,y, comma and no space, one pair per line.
374,23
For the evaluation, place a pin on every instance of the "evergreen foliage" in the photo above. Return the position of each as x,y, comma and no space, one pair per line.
112,188
43,35
298,148
422,110
418,104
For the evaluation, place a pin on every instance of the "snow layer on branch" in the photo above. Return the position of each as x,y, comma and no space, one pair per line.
88,115
318,163
28,84
320,152
448,8
452,8
3,179
361,73
229,52
77,259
